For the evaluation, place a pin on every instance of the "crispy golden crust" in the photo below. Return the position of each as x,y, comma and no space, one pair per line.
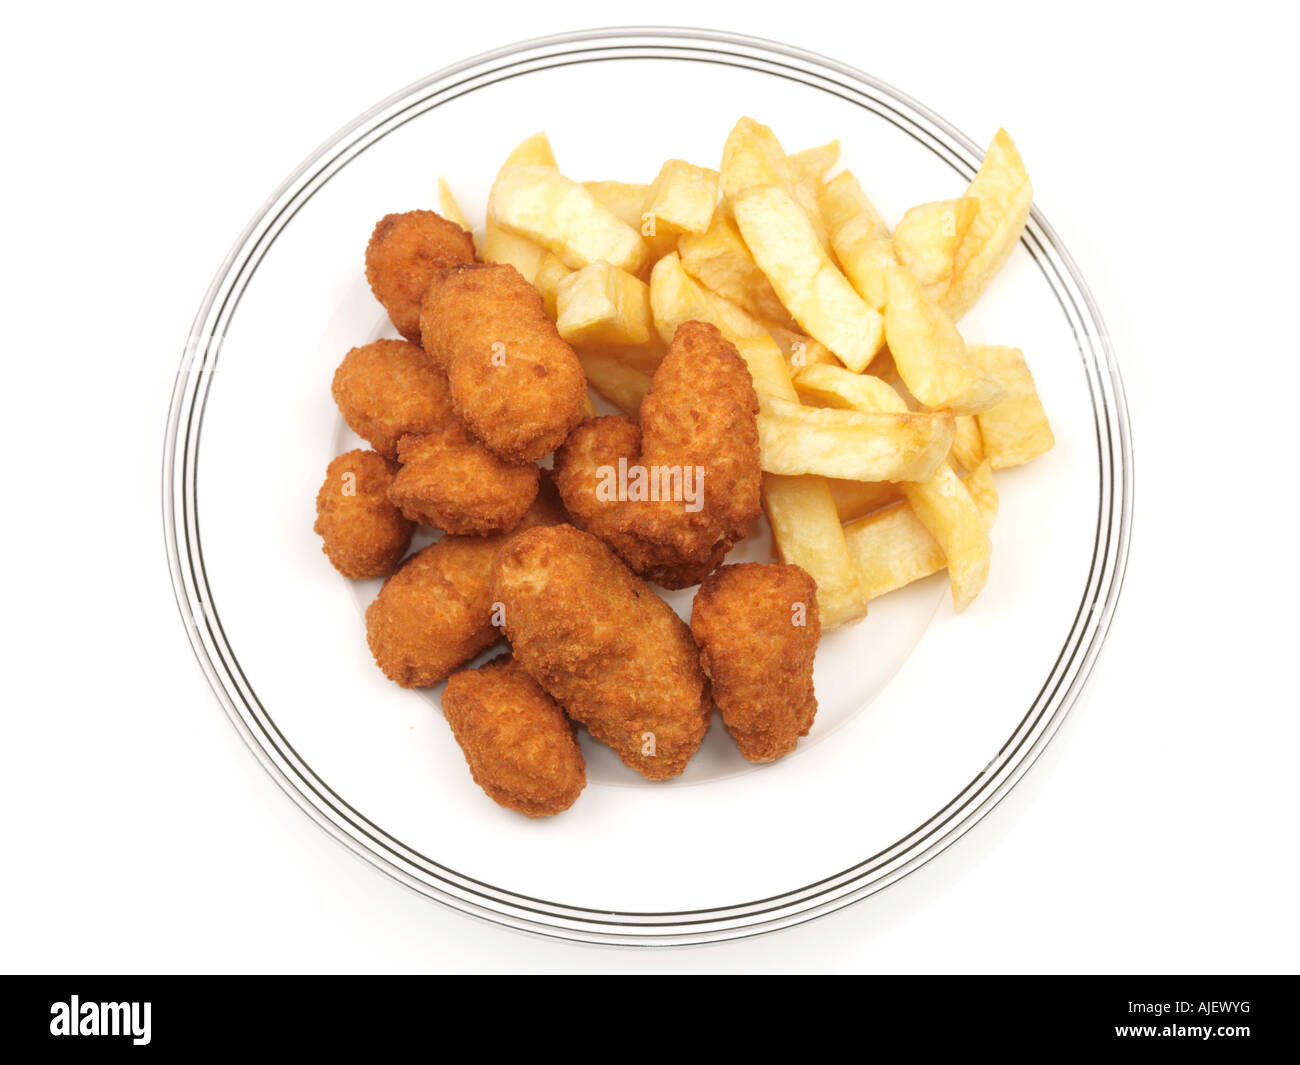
515,382
451,481
757,626
404,253
609,650
701,413
388,389
520,747
435,613
364,534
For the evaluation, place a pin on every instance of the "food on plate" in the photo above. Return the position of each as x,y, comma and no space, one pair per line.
1015,430
774,346
515,382
757,627
672,496
404,253
892,548
520,747
451,481
364,534
388,389
878,446
541,204
1004,197
926,240
605,647
787,248
930,354
435,613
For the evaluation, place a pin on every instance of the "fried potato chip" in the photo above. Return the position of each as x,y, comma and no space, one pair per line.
625,201
1016,429
619,383
526,256
603,305
550,274
767,367
927,237
968,443
810,165
946,509
751,157
675,297
681,200
783,243
806,528
930,354
831,386
1005,197
858,236
852,445
719,260
806,532
854,499
799,350
540,203
892,548
449,208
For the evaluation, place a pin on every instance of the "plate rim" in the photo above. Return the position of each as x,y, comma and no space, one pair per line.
500,906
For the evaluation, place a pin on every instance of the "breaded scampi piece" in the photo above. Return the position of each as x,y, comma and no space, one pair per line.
605,647
515,382
404,253
390,388
520,747
364,534
435,613
701,414
757,627
451,481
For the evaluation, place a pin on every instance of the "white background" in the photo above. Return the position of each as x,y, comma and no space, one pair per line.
1158,833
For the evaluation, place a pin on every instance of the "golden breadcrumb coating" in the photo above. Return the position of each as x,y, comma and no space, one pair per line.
757,626
520,747
451,481
515,382
364,534
404,253
701,413
435,613
388,389
605,647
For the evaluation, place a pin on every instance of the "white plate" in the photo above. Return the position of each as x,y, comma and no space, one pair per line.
925,719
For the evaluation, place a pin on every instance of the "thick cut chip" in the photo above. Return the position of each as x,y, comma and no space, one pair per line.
767,367
891,548
719,260
681,200
949,513
601,304
449,208
842,200
831,386
927,237
619,383
500,246
1015,430
785,246
811,164
540,203
857,446
620,198
675,297
753,157
968,444
853,499
806,531
930,354
1005,197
